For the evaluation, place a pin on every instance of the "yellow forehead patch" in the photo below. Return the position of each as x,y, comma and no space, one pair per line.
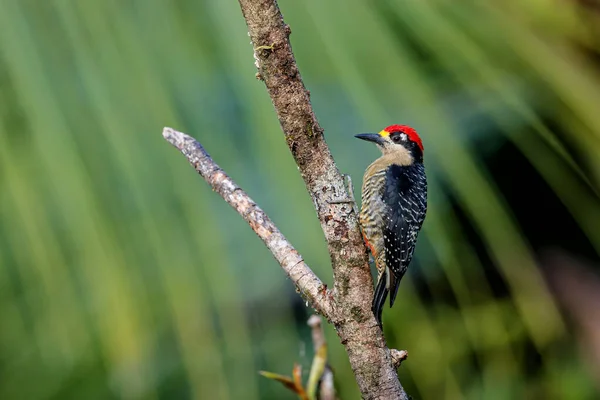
384,133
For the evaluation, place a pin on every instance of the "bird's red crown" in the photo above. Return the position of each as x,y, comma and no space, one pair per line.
410,132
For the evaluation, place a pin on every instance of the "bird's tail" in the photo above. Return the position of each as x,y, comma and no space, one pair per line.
381,292
394,285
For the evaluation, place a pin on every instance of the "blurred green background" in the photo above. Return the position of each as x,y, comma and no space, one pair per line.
124,276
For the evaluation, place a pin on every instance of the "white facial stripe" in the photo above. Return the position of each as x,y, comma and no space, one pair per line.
403,136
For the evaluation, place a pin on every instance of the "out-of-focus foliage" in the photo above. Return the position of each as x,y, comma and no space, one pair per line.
124,276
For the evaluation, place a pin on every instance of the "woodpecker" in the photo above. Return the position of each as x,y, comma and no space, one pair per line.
394,203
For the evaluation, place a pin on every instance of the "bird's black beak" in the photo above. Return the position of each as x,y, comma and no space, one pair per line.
371,137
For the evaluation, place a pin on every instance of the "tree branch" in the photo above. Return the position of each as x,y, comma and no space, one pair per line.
353,285
349,309
310,286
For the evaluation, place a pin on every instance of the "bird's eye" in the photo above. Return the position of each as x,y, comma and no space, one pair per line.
396,138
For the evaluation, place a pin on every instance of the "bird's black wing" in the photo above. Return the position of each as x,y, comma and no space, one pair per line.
405,195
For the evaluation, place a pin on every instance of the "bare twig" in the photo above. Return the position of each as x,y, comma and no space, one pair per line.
326,387
353,286
302,276
316,328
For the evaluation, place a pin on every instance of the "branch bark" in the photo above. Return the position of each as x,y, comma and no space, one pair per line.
348,306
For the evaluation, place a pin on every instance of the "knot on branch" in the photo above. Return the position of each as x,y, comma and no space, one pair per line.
398,356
